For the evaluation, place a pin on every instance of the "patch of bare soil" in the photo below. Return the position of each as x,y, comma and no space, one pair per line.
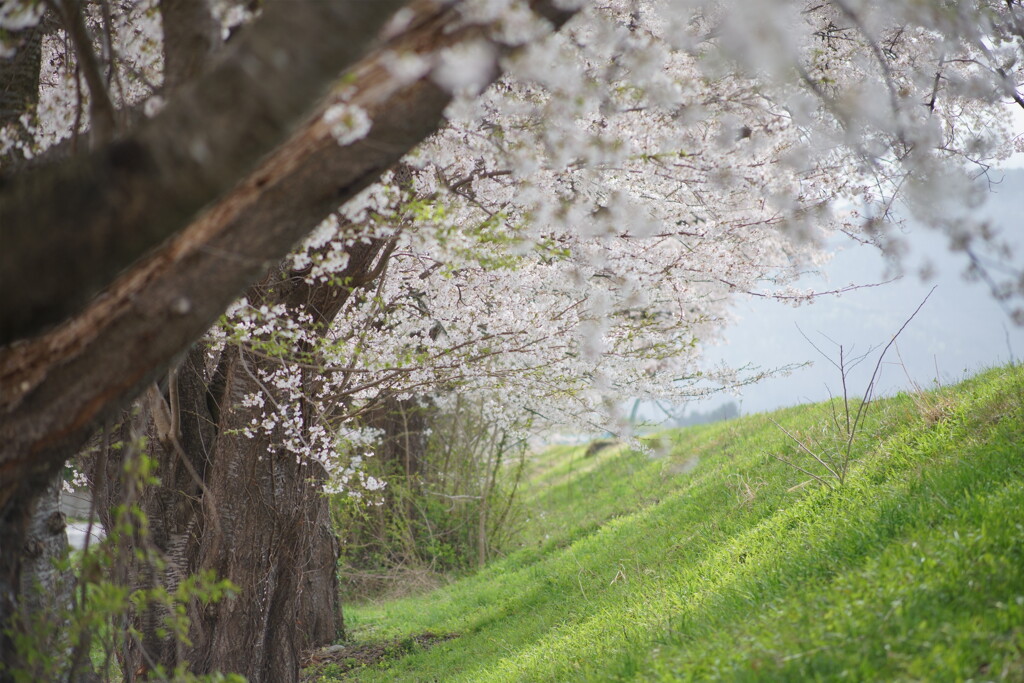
340,659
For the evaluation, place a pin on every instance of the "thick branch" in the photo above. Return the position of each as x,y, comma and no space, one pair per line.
69,229
55,388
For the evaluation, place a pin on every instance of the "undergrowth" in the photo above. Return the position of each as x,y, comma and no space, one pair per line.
713,562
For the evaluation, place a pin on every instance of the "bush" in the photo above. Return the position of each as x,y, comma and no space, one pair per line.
452,473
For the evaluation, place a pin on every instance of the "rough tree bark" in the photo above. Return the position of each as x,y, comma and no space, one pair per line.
45,591
125,219
242,507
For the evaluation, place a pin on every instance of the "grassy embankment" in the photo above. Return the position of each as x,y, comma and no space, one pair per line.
707,563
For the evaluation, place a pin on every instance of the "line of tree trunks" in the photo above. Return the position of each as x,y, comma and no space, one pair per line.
173,221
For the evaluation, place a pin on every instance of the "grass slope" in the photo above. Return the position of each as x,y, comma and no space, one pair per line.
705,563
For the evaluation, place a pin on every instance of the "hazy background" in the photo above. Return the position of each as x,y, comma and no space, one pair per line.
960,331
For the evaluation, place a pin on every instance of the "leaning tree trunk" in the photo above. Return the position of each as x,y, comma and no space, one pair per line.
241,506
168,279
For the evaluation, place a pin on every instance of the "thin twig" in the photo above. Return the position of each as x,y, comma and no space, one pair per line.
805,449
869,393
797,467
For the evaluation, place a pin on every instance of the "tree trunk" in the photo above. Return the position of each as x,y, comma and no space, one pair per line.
41,582
44,596
193,225
243,507
255,516
275,542
106,210
400,454
403,442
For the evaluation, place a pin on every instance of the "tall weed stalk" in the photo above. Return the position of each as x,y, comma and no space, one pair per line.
829,464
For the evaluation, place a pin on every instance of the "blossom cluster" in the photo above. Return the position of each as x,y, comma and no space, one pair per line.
576,233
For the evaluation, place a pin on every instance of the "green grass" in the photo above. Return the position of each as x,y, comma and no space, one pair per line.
707,563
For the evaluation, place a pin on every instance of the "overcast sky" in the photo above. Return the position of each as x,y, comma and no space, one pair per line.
960,330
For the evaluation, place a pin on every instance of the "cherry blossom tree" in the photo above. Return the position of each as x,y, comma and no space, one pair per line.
133,194
576,233
572,235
